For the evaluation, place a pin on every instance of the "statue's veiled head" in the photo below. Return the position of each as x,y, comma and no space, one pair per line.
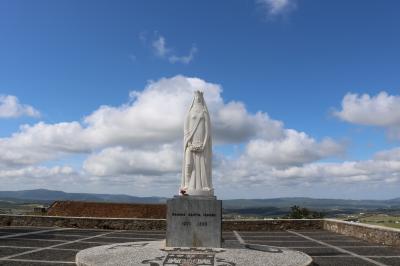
198,97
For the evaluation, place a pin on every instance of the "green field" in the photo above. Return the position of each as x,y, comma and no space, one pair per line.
10,207
382,219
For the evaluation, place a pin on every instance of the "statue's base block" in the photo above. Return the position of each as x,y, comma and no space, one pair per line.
194,221
155,253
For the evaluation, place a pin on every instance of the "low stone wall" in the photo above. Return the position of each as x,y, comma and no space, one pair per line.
107,209
152,224
370,233
83,222
271,225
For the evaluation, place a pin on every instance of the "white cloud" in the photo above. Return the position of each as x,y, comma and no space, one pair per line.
136,147
277,7
153,117
36,172
382,110
139,143
161,50
122,161
250,172
294,148
42,142
388,155
186,59
379,110
57,177
159,47
10,107
140,140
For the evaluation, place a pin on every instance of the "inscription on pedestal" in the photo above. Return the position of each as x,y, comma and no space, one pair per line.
193,222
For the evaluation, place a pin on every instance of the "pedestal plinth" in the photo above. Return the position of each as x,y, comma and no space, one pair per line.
194,221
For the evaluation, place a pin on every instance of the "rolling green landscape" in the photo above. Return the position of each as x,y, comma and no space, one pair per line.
378,212
18,207
381,219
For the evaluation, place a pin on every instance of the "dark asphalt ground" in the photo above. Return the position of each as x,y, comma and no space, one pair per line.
58,246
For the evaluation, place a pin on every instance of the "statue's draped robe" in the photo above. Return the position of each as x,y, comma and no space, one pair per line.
197,128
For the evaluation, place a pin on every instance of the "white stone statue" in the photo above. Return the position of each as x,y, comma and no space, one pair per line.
197,150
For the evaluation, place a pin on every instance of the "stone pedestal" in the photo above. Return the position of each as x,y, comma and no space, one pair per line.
194,221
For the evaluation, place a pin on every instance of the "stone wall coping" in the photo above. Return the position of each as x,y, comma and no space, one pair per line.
82,218
154,219
268,220
376,227
372,226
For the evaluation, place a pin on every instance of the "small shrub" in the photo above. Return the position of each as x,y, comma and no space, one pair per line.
303,213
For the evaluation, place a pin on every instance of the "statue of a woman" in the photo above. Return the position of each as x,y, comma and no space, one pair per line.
197,151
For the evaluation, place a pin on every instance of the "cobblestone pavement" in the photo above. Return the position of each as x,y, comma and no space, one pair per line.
58,246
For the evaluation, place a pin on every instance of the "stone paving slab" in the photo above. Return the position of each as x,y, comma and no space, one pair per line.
350,243
286,243
389,261
27,242
320,251
83,232
22,229
381,251
30,263
116,240
334,237
322,256
274,238
6,251
81,245
264,233
51,237
138,235
348,261
50,255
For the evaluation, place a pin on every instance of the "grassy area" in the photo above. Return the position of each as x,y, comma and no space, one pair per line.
382,219
10,207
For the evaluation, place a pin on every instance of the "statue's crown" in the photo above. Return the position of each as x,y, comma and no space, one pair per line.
200,93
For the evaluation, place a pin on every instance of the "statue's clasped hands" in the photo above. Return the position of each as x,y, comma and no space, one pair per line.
196,148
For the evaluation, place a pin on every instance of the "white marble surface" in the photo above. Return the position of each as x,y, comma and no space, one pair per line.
197,150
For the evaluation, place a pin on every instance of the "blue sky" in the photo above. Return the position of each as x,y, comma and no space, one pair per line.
293,60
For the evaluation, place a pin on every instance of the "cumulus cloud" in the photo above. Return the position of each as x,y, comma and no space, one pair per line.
346,172
39,177
384,168
42,142
151,118
10,107
140,140
382,110
36,172
161,50
121,161
294,148
277,7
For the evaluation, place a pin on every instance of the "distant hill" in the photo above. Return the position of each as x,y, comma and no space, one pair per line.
274,206
312,203
48,196
331,207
